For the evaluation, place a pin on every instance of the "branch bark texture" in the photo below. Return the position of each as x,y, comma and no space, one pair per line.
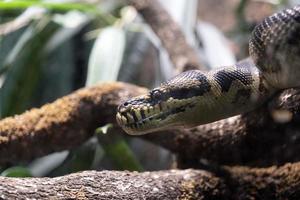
232,183
63,124
173,184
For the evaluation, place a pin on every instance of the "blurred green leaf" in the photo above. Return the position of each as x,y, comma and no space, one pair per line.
117,150
58,7
67,52
6,43
24,63
106,56
72,22
82,158
16,172
7,5
122,156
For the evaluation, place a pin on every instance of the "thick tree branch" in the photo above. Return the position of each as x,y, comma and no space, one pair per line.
108,185
264,183
63,124
182,55
231,183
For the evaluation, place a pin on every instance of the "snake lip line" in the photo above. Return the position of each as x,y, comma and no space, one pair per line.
158,116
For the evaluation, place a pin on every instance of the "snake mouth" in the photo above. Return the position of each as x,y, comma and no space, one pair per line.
141,121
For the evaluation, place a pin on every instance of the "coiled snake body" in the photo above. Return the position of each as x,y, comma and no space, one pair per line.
194,97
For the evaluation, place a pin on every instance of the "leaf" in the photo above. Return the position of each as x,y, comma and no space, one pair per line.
59,7
24,63
13,5
16,172
72,22
106,56
117,150
66,56
122,156
6,43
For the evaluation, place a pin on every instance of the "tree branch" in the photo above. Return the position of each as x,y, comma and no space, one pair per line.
63,124
231,183
264,183
182,55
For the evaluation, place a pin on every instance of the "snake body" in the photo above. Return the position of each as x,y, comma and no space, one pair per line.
195,97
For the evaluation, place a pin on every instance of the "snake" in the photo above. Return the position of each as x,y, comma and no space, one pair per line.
196,97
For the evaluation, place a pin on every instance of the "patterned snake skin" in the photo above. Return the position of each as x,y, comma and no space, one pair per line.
194,97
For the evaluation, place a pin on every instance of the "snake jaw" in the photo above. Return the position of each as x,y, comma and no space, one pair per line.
164,106
132,113
145,114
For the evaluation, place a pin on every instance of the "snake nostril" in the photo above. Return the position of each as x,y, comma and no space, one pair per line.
123,107
155,94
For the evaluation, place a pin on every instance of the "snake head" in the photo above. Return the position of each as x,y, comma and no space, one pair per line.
140,115
170,105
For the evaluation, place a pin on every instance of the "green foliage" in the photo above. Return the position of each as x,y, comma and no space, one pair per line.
45,54
106,55
16,172
125,162
115,145
62,7
22,66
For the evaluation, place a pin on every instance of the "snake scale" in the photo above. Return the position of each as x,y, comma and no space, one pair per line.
195,97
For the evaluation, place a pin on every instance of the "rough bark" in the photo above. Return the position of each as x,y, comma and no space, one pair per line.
63,124
182,55
264,183
173,184
230,183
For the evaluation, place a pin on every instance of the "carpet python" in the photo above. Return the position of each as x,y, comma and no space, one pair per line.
195,97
